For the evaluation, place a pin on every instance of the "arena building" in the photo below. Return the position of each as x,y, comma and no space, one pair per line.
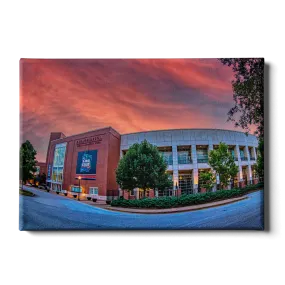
92,158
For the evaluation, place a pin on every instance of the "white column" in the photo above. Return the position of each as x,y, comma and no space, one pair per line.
237,153
247,154
240,173
254,153
211,147
175,166
217,180
137,193
195,180
249,174
195,168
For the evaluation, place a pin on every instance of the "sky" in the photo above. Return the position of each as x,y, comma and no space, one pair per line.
131,95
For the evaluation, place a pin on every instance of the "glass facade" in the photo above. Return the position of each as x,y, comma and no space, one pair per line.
57,174
167,156
184,157
186,183
58,163
202,155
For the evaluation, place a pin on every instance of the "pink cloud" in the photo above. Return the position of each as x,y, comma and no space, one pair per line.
74,96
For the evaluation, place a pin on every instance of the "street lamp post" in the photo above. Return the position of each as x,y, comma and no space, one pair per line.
79,178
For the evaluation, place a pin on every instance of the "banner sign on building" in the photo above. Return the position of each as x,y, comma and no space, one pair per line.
89,140
49,172
86,165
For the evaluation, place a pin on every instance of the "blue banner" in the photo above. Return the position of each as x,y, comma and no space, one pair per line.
86,163
49,172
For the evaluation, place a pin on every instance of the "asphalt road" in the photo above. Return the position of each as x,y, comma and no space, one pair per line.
46,211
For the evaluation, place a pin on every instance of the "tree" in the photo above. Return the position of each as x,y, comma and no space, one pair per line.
248,88
223,164
259,166
248,93
27,161
37,179
207,180
164,181
43,178
142,167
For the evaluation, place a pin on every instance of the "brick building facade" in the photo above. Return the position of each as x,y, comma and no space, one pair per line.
92,156
91,159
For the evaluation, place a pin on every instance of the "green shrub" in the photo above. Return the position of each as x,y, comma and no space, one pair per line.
260,185
184,200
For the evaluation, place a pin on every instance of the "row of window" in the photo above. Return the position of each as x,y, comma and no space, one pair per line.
185,178
201,158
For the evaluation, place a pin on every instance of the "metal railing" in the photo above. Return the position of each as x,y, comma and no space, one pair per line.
243,158
184,160
202,159
168,159
166,193
187,191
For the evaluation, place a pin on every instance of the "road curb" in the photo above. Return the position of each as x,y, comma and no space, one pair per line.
176,210
157,211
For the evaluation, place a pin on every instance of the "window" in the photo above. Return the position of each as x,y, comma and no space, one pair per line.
37,171
185,183
54,174
93,190
167,156
58,162
184,157
202,154
57,174
76,189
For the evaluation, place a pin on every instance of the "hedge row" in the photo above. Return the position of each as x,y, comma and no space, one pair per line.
183,200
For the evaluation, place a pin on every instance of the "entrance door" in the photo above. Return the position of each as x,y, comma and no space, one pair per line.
186,183
56,187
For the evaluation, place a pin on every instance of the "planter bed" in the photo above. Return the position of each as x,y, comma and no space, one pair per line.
184,200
